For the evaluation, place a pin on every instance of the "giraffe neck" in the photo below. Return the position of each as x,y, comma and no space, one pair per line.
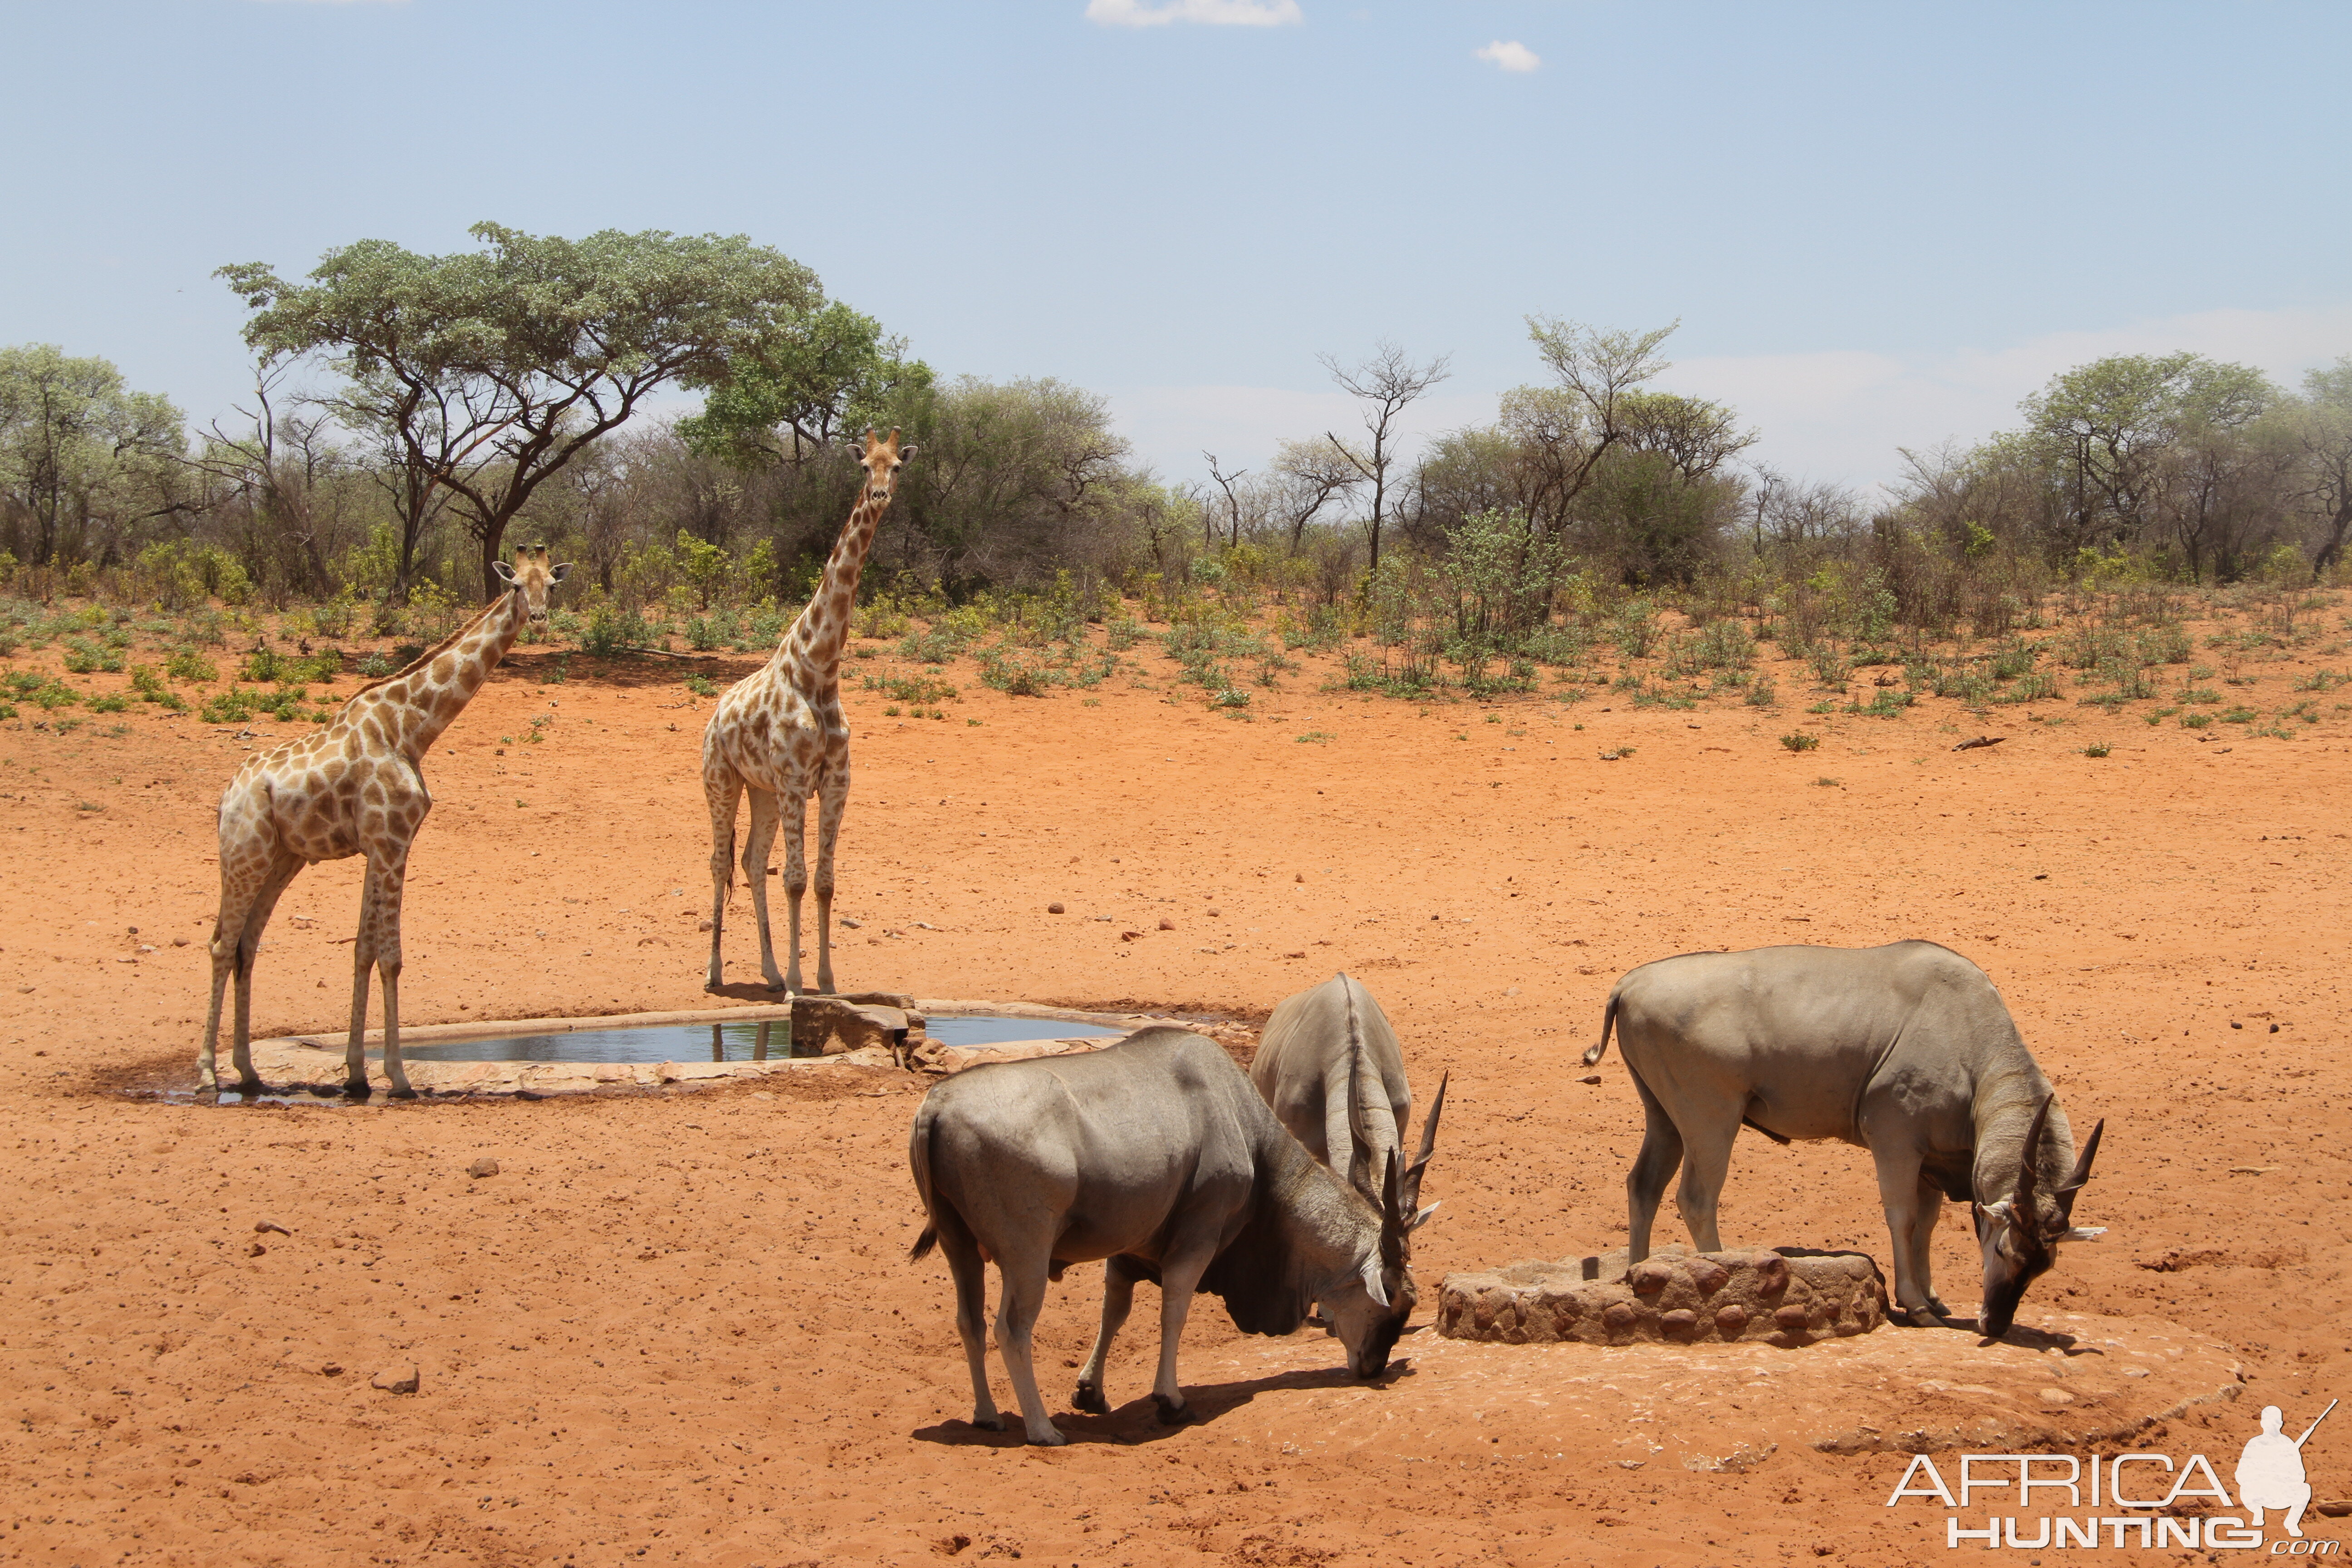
423,701
812,649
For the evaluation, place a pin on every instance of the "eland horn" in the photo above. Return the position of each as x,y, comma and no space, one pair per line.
1411,1185
2081,1173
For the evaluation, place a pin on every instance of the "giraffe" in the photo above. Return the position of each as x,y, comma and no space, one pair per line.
780,732
352,787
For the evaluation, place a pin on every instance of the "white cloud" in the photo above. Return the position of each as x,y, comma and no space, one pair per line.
1211,13
1842,413
1514,56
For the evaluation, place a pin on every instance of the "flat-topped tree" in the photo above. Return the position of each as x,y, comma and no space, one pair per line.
488,371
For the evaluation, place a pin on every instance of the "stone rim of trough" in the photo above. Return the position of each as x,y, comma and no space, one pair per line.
287,1060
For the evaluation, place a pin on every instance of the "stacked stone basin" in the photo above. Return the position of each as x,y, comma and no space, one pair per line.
1785,1296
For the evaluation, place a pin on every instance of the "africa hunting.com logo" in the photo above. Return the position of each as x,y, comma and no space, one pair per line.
2270,1477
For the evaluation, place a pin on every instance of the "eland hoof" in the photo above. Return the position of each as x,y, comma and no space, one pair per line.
988,1422
1050,1438
1172,1413
403,1093
1090,1398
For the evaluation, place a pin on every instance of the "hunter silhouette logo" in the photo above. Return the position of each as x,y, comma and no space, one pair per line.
2151,1501
2270,1470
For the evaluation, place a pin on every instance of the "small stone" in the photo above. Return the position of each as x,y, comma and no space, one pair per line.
1590,1077
1771,1274
485,1166
1649,1277
1732,1321
1298,875
256,1250
1620,1317
1792,1318
1708,1274
264,1226
1053,908
2274,1027
1214,914
1167,924
1680,1323
704,926
2056,1397
400,1379
330,1369
1131,936
852,925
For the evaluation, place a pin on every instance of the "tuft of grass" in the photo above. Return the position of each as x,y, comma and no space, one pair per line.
1315,738
1825,782
701,686
1798,741
2095,749
2195,720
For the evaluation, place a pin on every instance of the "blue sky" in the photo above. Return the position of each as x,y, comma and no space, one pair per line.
1878,225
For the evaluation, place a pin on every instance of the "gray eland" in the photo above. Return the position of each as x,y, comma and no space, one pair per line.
1157,1155
1330,1066
1905,1050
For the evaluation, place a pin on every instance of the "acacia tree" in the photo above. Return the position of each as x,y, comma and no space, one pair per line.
81,456
2325,431
1386,385
495,368
831,374
1575,423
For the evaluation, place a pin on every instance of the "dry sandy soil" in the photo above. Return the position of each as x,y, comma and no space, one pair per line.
680,1327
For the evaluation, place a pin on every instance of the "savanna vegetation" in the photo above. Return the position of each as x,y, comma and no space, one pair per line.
412,417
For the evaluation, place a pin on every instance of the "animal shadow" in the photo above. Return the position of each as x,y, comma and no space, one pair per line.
1138,1421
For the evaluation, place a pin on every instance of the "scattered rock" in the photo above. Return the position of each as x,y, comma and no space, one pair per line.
1300,953
264,1226
2056,1397
1214,914
1590,1077
1167,924
1979,740
485,1166
403,1379
1054,909
850,924
256,1250
704,926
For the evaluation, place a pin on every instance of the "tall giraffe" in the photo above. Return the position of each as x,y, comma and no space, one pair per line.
780,733
353,788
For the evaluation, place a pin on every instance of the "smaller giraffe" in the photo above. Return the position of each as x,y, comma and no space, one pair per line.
780,732
353,787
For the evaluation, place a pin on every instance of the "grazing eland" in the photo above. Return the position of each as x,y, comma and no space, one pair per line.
1904,1049
1330,1067
1157,1155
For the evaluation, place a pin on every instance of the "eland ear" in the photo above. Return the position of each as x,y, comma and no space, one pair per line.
1374,1286
2084,1232
1422,1218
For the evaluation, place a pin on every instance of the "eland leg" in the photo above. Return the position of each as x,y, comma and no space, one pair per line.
1180,1276
1645,1183
1119,1299
1018,1303
1911,1204
1706,1159
964,1265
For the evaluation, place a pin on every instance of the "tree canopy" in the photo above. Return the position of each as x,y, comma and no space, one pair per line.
490,370
81,455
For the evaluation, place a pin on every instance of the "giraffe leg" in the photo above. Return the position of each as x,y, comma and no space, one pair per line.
248,946
386,878
833,798
722,787
355,1078
796,878
759,839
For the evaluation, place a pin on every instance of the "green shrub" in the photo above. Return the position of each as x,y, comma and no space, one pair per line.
2095,749
261,664
612,631
2014,658
1762,694
233,706
2239,716
701,686
112,702
189,664
375,666
84,656
1798,740
2195,720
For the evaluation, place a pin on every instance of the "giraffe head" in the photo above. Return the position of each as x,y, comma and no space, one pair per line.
882,460
531,577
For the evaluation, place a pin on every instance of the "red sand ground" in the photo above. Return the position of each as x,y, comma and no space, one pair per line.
680,1327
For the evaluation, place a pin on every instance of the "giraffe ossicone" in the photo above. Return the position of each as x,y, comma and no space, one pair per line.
780,734
353,787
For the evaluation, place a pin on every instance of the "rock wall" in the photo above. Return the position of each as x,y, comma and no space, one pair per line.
1785,1296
